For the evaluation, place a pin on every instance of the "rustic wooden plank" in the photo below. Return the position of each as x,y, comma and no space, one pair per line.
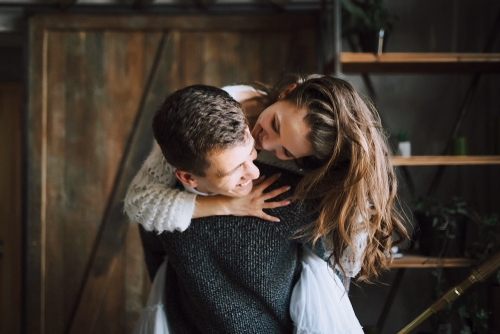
114,225
230,64
240,23
135,277
95,169
306,46
212,59
36,181
419,62
252,46
445,160
11,124
56,197
110,317
421,262
191,63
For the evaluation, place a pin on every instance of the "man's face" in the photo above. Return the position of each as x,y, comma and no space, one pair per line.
231,171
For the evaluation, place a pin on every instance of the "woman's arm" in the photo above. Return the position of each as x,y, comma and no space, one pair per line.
250,205
152,199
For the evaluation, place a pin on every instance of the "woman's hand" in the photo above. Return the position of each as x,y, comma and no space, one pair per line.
249,205
253,203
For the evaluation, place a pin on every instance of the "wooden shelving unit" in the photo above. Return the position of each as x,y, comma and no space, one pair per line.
420,262
446,160
435,63
366,64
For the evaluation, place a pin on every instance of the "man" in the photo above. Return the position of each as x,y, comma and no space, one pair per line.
225,274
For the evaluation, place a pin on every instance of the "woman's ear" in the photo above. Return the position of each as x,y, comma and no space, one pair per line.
186,178
287,90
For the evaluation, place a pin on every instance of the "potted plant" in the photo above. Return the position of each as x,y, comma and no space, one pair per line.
404,145
438,221
442,226
367,20
485,244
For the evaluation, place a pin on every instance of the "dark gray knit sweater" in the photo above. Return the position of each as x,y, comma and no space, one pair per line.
230,274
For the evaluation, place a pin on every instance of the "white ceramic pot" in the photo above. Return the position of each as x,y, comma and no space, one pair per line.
404,149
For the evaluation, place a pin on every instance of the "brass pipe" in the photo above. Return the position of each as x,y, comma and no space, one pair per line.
479,274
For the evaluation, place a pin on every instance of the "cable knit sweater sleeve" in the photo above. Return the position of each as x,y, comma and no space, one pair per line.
152,199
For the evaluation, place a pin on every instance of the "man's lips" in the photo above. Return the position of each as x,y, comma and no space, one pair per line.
243,185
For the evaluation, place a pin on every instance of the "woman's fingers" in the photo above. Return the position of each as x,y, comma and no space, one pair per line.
270,218
267,182
272,205
275,192
258,181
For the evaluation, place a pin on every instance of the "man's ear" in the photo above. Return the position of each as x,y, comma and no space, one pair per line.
186,178
287,90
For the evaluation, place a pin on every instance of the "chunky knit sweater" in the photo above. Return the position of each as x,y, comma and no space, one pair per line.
230,274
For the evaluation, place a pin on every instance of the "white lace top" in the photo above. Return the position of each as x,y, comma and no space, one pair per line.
153,201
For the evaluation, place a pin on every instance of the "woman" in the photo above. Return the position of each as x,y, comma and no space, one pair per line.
320,126
348,164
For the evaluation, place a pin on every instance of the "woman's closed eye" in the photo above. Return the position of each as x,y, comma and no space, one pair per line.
275,125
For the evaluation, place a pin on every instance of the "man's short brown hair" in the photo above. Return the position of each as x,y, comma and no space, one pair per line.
196,121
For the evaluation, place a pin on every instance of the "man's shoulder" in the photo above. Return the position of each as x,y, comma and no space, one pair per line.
287,176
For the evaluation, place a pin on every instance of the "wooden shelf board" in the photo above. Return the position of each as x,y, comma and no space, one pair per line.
446,160
419,261
353,62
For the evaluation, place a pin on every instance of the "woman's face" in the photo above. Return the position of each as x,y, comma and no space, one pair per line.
281,130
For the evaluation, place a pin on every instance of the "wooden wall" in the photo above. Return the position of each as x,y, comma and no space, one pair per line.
11,117
92,81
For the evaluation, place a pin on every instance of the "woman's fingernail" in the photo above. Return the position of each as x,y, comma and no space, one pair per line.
288,188
287,202
276,220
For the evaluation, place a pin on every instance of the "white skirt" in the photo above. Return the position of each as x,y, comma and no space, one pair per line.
153,318
319,303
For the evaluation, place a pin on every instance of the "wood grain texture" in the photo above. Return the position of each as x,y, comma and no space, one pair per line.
446,160
421,262
11,122
353,62
88,78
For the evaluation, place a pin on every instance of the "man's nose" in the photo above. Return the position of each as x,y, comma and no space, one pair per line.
252,171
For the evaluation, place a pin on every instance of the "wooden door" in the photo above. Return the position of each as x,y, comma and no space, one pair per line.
94,83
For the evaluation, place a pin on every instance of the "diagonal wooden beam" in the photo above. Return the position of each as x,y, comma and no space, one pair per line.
111,236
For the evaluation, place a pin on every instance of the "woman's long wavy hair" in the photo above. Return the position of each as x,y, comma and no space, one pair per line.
351,175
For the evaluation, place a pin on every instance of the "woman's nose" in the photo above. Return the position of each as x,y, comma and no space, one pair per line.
268,142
